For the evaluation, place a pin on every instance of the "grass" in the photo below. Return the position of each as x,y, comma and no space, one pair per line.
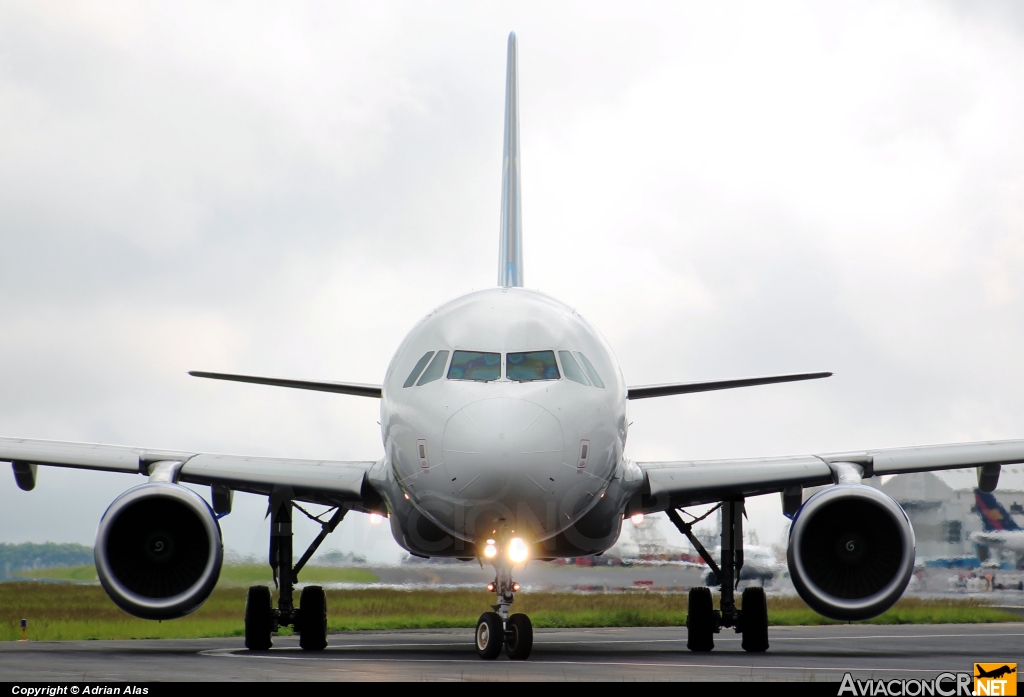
233,575
78,611
84,573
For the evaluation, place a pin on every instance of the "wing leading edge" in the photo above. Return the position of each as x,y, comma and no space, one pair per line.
319,481
356,388
646,391
687,483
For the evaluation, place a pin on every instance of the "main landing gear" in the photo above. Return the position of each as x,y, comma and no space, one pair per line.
498,628
309,619
702,620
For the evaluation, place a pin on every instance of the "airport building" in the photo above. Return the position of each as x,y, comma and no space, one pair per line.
941,506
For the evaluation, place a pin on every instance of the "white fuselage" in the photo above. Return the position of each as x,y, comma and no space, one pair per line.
473,455
1002,539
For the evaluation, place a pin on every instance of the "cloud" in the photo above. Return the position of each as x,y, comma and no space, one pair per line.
287,190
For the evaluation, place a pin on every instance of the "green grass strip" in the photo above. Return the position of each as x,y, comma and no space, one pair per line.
233,575
58,611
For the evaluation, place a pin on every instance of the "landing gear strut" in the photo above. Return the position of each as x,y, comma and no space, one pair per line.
498,628
310,618
702,620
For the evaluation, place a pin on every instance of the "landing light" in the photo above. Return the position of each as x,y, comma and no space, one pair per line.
517,551
637,518
490,551
375,518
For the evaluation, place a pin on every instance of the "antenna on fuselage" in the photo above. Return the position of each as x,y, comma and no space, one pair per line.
510,253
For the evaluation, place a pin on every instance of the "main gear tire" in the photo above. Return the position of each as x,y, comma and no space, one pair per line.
701,621
313,619
755,620
259,619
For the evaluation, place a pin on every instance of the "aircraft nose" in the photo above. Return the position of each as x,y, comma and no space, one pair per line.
495,446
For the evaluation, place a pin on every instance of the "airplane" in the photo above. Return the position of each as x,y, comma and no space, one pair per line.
995,673
998,528
758,564
503,422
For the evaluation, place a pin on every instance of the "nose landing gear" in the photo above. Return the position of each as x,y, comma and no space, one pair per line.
702,620
498,628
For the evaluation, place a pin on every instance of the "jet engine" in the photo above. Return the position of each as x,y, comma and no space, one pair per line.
851,552
159,551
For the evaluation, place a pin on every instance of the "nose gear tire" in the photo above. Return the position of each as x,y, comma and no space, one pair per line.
755,620
519,640
490,635
701,621
313,619
258,619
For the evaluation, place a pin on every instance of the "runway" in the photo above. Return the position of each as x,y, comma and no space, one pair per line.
797,653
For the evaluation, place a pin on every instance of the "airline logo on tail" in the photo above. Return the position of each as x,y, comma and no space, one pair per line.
993,515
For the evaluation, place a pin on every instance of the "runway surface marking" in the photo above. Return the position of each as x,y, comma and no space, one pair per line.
539,641
234,653
469,642
614,653
874,636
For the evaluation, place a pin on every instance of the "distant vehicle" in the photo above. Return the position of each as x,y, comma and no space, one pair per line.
759,564
999,530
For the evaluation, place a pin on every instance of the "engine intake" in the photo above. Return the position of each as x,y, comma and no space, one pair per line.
851,552
159,551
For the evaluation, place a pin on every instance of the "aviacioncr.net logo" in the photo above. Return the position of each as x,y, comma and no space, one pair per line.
995,679
944,685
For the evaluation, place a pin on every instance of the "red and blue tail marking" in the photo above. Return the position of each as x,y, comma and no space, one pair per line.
993,515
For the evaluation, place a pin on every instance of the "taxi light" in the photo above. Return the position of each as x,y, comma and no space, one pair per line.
490,551
637,518
490,587
375,518
515,586
517,551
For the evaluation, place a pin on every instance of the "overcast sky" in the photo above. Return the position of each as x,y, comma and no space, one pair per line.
285,190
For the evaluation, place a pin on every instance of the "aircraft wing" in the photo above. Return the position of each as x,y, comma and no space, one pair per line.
319,481
677,484
356,388
666,389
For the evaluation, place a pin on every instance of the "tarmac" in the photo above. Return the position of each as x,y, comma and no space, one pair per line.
621,654
536,576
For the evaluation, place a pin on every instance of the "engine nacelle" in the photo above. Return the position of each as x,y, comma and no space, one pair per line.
851,552
159,551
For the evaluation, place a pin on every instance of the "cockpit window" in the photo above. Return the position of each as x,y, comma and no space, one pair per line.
475,365
591,373
435,370
572,369
420,365
531,365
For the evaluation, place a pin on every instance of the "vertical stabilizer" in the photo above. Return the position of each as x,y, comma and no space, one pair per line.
993,516
510,254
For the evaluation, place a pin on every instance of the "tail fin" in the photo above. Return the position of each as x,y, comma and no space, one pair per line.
510,254
993,515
